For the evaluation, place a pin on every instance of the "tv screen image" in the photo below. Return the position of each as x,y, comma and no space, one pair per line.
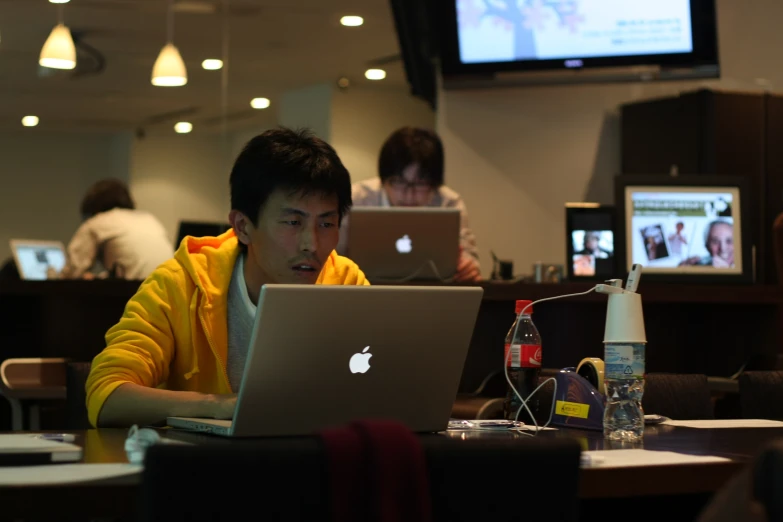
593,252
491,31
684,229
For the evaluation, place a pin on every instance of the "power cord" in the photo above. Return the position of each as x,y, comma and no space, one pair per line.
416,273
554,381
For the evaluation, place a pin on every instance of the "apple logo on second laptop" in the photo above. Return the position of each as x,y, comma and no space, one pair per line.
360,362
404,245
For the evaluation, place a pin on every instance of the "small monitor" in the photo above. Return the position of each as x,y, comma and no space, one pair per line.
36,260
200,229
686,227
590,231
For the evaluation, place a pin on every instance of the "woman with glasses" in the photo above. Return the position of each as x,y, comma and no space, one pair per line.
410,169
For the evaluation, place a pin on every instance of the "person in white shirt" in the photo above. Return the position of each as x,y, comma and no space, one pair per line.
128,243
410,168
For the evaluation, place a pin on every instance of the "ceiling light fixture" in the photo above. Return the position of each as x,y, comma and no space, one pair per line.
30,121
58,52
212,64
375,74
59,1
169,69
183,127
260,103
352,21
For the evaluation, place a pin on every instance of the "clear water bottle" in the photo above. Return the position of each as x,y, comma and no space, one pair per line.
624,384
524,363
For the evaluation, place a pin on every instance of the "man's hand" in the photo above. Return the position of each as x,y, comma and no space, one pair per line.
690,261
719,262
223,406
136,404
467,270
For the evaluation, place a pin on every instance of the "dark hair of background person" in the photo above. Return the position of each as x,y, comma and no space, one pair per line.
408,146
284,159
105,195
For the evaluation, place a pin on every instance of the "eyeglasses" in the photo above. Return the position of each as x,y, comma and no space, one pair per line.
401,184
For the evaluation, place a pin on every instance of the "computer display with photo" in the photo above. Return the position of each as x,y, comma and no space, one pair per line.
590,243
37,260
681,229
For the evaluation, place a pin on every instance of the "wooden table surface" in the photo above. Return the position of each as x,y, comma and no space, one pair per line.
118,497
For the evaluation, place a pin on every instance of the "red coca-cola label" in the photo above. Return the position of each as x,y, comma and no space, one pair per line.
523,356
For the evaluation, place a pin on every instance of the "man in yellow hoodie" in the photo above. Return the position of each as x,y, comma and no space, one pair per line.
180,347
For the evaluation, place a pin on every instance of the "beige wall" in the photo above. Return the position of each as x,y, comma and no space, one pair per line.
362,119
44,177
185,177
517,155
182,177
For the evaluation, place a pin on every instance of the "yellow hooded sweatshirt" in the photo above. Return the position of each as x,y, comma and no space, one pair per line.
173,333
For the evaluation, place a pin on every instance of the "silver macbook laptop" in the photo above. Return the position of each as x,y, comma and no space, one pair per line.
323,356
36,259
404,244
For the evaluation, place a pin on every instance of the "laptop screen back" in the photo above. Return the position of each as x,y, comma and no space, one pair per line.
402,244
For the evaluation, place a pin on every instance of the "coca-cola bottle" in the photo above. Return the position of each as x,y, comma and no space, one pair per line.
524,363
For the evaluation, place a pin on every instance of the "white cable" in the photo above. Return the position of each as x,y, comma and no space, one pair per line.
416,272
516,392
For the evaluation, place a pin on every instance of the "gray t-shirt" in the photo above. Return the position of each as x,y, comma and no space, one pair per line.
241,312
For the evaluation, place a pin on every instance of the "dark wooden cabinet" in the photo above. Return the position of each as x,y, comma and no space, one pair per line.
714,132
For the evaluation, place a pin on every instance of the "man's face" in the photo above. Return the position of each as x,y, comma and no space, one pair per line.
409,190
591,242
679,227
294,237
721,242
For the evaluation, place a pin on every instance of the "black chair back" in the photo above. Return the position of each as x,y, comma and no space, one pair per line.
677,396
286,479
761,395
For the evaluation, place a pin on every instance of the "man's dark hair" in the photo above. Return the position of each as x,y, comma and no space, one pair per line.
408,146
292,160
105,195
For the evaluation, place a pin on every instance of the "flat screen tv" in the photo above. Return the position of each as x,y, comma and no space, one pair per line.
486,37
688,227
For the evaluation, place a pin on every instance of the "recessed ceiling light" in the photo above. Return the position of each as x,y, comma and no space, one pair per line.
30,121
183,127
352,21
375,74
59,1
212,64
260,103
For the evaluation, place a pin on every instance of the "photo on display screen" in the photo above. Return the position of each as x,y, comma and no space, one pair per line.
37,260
592,249
590,241
685,230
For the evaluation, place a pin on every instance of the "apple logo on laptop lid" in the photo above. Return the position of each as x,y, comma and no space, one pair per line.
360,362
404,245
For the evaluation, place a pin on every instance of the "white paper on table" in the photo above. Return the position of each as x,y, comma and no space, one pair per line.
725,423
532,428
63,473
627,458
14,443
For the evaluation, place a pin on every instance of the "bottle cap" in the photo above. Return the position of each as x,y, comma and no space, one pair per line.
624,319
521,304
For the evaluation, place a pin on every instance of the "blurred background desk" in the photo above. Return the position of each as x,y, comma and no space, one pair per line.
60,318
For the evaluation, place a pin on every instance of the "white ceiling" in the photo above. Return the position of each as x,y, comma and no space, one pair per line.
274,45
